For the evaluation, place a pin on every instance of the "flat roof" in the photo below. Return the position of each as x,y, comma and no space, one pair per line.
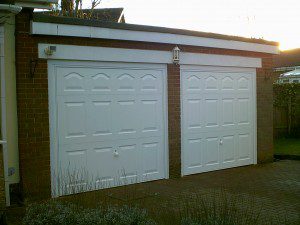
37,17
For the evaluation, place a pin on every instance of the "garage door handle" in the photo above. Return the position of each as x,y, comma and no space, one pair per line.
221,142
116,154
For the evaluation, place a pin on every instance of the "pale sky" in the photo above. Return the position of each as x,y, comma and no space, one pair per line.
275,20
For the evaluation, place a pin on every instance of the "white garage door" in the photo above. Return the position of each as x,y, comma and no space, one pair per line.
108,124
218,118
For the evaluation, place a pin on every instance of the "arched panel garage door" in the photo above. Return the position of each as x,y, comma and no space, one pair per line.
218,118
108,124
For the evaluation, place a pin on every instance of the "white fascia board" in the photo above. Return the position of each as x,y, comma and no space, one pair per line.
14,9
219,60
90,53
130,35
39,1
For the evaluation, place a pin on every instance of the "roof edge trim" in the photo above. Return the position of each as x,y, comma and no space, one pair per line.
135,27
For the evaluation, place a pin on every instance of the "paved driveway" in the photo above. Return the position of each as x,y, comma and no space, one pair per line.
272,189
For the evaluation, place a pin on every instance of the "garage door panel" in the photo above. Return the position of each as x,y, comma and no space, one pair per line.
211,151
150,82
211,111
71,81
244,83
72,164
72,119
227,83
100,82
227,112
100,113
228,150
193,111
75,156
126,117
104,182
127,161
101,162
125,81
152,158
193,159
151,120
211,83
243,111
192,83
245,146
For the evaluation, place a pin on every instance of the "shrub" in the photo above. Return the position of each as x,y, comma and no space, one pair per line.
49,213
219,209
58,213
127,216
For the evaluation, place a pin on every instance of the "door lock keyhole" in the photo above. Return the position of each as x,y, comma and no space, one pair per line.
116,153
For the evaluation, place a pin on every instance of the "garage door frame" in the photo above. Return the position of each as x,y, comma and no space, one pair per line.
52,65
203,68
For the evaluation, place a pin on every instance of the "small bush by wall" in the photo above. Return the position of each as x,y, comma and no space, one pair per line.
59,213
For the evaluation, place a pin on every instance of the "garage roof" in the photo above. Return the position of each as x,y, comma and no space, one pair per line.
134,27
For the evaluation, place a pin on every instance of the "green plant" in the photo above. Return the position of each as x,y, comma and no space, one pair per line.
218,209
49,213
287,146
127,216
55,212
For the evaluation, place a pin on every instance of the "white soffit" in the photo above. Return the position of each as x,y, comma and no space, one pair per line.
90,53
130,35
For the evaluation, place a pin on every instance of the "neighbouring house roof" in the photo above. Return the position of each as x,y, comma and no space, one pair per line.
109,14
293,73
38,17
115,15
288,58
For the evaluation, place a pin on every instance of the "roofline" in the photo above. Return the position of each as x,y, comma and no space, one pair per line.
135,27
282,76
284,68
10,8
39,4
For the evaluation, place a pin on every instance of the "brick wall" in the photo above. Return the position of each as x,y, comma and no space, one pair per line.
33,118
174,120
264,91
32,97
